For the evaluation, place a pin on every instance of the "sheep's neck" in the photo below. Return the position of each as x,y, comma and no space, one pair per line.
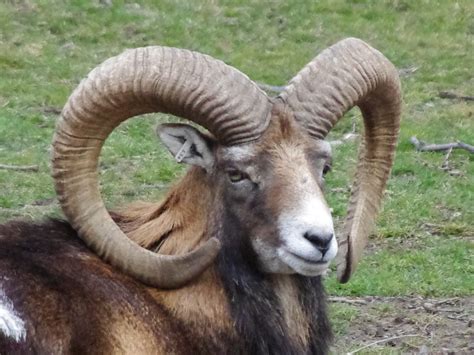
178,225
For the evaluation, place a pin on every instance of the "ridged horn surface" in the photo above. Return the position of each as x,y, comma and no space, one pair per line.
144,80
347,74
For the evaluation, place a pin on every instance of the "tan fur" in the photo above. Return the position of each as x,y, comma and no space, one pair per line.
132,336
179,221
201,304
295,317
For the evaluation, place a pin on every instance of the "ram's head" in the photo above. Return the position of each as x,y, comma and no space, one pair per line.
264,159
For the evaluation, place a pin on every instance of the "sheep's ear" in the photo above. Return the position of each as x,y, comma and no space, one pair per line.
187,144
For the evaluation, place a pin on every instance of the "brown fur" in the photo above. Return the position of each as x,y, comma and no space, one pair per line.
72,302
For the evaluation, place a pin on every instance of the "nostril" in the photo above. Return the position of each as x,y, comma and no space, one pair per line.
321,241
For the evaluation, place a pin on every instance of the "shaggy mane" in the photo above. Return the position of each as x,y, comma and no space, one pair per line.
161,226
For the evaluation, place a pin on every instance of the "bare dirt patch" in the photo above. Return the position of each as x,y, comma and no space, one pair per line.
408,325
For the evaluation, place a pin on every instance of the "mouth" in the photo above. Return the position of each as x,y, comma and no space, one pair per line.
303,265
307,260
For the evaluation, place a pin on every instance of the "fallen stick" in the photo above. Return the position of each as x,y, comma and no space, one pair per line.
347,137
32,168
445,165
403,72
271,88
425,147
448,300
347,300
458,317
384,341
452,95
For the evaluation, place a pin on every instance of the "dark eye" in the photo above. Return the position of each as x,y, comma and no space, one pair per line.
236,176
326,169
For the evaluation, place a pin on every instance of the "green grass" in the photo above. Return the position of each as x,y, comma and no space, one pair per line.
425,229
431,267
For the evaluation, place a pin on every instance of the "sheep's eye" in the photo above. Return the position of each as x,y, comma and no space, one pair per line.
236,176
326,169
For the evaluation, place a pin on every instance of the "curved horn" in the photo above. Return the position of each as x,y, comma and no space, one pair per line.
144,80
347,74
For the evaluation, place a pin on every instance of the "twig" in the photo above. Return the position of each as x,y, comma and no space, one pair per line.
448,300
407,71
384,341
452,95
347,300
449,310
466,146
458,317
271,88
445,165
353,125
347,137
425,147
51,110
33,168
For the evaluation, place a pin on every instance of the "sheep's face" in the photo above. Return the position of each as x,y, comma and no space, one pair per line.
271,193
270,190
273,190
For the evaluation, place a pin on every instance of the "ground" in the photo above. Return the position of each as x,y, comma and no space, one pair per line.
417,277
406,324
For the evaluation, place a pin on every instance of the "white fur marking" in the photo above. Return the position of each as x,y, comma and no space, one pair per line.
10,323
310,216
238,152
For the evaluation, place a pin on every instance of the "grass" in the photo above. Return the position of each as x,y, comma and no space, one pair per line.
432,266
427,223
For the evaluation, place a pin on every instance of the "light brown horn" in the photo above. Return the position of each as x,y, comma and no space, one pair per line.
143,80
347,74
